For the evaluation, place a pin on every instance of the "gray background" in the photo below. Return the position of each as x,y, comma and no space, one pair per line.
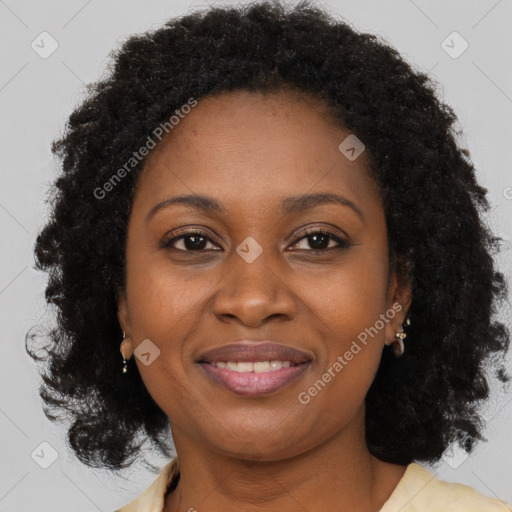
36,97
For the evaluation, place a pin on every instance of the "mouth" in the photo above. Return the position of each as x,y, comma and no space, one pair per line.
252,368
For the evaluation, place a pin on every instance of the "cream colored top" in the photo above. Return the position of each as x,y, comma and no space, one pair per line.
417,491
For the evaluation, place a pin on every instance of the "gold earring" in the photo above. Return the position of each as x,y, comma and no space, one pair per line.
398,345
125,367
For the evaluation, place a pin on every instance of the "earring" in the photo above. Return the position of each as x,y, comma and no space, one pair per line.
398,345
125,367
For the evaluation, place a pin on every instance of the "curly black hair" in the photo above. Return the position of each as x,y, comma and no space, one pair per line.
438,239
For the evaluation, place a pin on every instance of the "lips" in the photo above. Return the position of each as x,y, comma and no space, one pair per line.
254,368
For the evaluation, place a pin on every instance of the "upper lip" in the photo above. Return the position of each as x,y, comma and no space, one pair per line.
252,351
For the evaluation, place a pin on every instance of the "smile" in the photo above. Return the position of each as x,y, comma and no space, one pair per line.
257,366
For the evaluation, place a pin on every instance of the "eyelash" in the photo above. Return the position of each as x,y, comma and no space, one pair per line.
343,244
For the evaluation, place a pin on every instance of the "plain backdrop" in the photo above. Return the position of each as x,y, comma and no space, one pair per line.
38,94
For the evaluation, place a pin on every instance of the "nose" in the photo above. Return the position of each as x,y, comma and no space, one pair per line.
253,293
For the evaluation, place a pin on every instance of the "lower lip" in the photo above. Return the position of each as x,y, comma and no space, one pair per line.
254,383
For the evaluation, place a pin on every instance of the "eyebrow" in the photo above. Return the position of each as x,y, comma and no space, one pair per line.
289,205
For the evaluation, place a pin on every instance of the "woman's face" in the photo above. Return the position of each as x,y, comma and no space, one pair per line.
250,271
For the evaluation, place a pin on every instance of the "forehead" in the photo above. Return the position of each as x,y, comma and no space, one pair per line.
256,146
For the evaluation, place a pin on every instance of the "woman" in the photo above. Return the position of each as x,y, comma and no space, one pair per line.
266,213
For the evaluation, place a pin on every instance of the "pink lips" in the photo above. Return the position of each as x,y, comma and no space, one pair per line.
254,383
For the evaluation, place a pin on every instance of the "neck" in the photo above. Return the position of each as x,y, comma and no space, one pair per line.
350,478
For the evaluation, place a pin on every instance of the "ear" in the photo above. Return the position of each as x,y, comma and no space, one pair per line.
123,316
400,298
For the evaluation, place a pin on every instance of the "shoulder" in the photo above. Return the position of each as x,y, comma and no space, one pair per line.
419,490
152,500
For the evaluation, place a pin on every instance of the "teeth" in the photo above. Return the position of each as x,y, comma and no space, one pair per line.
245,367
261,366
257,366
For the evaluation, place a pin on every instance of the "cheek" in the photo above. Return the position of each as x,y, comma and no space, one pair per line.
163,300
351,297
348,311
164,308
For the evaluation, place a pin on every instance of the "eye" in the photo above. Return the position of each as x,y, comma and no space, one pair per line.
191,241
319,240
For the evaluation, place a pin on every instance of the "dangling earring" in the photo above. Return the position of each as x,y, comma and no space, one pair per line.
398,345
125,367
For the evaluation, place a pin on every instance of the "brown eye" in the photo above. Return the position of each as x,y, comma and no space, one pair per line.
319,240
191,241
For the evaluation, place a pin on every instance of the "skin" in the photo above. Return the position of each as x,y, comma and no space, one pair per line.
250,151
